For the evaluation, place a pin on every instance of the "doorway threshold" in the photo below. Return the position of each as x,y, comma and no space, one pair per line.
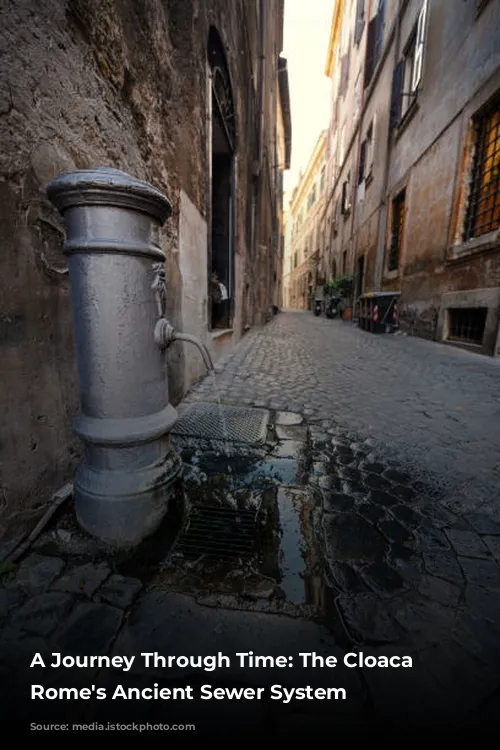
218,333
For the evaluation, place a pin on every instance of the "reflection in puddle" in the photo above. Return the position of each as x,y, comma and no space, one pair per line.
283,570
298,558
292,545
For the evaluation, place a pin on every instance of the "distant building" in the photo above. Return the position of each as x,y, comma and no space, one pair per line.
287,252
306,273
283,158
413,176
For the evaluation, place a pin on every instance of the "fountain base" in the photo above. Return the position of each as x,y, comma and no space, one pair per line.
123,507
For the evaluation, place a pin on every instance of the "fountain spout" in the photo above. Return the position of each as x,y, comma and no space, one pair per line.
207,359
165,335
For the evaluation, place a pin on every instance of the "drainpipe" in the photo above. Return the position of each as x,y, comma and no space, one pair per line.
379,264
262,60
257,184
360,135
130,470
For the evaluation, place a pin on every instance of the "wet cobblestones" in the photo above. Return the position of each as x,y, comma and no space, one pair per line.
402,463
429,406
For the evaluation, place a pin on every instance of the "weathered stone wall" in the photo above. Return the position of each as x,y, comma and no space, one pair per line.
427,154
461,71
124,84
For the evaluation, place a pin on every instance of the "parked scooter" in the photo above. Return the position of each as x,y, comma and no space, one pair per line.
318,307
332,308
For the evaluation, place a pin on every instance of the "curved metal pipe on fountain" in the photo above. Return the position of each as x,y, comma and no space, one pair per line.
207,359
165,335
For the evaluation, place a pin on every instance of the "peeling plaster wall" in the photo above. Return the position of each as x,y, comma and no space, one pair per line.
117,83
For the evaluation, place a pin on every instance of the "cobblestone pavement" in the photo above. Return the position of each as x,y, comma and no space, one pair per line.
396,483
432,406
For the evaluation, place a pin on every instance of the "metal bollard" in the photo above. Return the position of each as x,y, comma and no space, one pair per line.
123,486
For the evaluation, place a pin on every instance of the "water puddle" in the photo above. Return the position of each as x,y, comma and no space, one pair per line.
232,493
294,552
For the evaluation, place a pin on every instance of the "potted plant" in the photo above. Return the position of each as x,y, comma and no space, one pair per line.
329,288
345,287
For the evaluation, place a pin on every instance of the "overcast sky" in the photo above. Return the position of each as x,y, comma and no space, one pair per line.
306,36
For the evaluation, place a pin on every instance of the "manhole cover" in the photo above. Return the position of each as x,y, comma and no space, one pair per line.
218,533
236,423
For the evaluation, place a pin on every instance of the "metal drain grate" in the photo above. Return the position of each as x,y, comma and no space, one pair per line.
218,533
242,425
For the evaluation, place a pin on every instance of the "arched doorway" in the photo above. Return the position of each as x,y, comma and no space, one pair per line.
222,213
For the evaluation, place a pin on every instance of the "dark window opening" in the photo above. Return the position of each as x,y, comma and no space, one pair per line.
322,180
466,324
295,259
344,261
374,43
360,276
362,163
344,74
483,210
398,218
360,21
397,94
345,206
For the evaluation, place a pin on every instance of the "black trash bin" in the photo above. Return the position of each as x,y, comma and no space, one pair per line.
378,312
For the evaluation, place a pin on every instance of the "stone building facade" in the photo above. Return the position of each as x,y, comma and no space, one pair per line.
413,199
283,156
181,93
287,252
305,273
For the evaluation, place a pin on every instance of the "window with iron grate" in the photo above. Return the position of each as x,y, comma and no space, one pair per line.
396,242
466,324
483,208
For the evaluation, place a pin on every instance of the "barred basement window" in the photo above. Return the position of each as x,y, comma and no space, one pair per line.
398,218
466,324
483,209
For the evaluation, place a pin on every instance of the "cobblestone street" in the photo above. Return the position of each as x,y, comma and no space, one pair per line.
431,406
376,534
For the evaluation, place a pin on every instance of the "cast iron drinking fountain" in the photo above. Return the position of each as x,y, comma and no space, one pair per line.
130,469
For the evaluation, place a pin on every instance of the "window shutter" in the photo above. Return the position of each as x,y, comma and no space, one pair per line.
360,21
419,48
397,92
370,51
344,73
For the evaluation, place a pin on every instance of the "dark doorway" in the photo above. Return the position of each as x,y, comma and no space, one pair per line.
221,259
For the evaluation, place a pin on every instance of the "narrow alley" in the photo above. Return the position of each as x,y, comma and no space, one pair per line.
429,405
367,534
249,368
